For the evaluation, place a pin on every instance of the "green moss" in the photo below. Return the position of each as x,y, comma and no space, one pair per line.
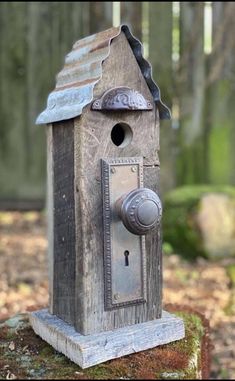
61,373
193,333
100,371
230,308
167,248
47,351
190,346
9,334
231,273
55,364
180,232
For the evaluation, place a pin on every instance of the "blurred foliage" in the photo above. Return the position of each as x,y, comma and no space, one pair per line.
191,48
231,273
189,194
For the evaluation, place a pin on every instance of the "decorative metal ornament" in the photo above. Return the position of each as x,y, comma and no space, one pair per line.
122,98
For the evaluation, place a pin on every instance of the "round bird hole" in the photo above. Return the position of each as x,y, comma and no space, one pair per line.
121,134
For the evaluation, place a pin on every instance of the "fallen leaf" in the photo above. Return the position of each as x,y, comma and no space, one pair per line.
10,376
12,346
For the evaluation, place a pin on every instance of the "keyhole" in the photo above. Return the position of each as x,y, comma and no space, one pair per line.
126,253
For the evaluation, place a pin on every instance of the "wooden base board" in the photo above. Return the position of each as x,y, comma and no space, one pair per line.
94,349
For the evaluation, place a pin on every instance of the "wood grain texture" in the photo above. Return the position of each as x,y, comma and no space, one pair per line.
93,142
94,349
154,250
50,213
64,221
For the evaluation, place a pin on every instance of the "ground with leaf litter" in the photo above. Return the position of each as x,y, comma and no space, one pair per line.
207,286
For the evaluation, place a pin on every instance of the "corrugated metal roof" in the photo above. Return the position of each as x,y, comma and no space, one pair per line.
83,69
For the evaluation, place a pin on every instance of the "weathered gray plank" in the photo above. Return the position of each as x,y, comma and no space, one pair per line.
154,249
94,349
64,221
93,142
50,214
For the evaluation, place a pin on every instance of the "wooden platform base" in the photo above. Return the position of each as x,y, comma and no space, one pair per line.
94,349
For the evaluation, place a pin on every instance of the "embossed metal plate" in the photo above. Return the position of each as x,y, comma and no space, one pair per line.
124,252
122,98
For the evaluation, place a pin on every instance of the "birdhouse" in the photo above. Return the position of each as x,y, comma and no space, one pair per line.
104,210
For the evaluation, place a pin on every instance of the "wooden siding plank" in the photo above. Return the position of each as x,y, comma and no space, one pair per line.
50,214
64,221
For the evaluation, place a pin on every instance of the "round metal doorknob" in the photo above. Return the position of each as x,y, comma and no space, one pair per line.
140,210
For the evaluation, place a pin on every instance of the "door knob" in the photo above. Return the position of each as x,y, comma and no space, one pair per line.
140,210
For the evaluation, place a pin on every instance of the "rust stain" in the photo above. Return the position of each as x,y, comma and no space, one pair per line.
77,84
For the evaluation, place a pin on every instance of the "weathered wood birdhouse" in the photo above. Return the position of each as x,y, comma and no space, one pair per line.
104,212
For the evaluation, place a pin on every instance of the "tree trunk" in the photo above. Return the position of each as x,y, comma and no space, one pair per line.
221,86
131,14
101,16
160,57
191,83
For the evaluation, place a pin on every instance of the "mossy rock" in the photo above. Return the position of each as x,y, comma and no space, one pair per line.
200,221
25,355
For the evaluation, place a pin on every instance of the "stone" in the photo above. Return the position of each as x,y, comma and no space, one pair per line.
200,221
216,222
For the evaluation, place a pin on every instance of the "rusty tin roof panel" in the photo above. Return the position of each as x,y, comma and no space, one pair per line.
83,69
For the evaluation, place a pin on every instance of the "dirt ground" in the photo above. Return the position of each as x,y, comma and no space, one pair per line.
203,285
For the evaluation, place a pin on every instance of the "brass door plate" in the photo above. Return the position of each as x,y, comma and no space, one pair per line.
124,252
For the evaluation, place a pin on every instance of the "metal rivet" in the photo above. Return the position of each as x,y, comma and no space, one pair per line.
116,296
133,169
113,170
